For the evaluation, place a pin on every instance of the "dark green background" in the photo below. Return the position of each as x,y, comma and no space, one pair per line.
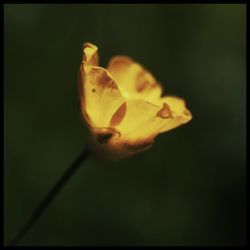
189,188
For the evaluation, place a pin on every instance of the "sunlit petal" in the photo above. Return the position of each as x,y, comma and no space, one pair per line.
90,54
100,96
180,113
134,81
140,121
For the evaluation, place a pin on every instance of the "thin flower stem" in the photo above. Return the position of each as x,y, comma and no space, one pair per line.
51,195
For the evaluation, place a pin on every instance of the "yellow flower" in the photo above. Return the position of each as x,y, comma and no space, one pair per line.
123,107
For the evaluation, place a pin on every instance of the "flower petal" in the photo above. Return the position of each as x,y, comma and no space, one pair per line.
90,54
180,114
133,79
100,96
140,122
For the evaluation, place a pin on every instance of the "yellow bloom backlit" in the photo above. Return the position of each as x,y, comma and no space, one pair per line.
123,105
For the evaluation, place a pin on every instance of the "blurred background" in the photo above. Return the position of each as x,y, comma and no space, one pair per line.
189,188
